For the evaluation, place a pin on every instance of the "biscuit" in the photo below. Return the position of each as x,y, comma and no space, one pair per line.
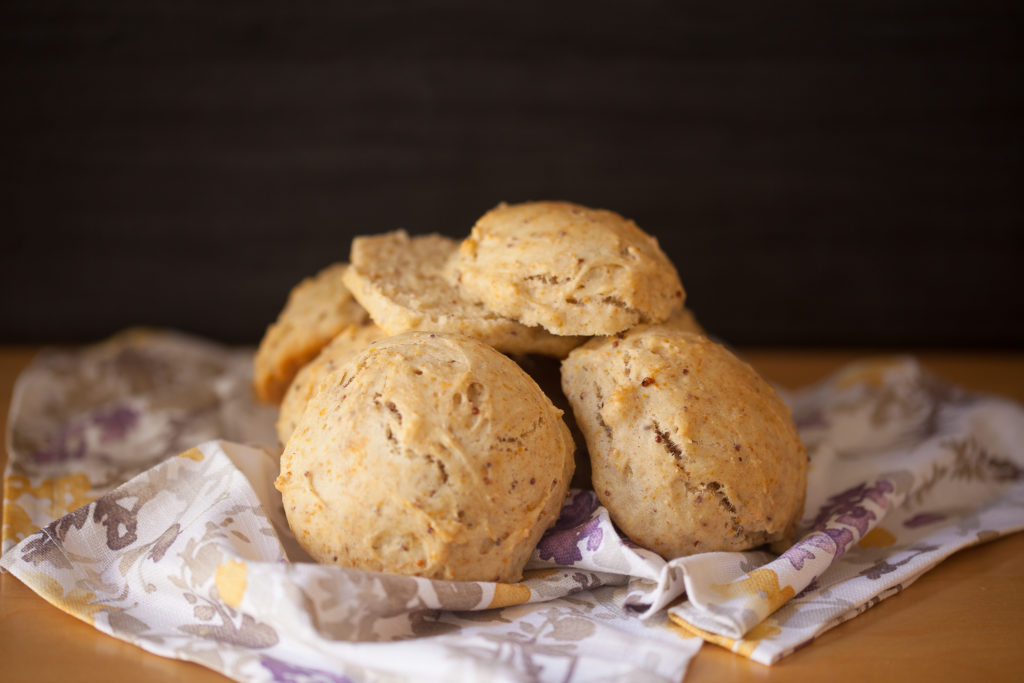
684,321
399,280
318,308
691,450
567,268
430,455
310,378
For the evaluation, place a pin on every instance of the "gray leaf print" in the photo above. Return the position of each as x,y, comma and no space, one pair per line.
250,633
167,538
571,629
123,622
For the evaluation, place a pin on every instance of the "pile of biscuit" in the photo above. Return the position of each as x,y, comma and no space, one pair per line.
416,440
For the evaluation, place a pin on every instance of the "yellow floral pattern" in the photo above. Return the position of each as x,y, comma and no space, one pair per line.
506,594
48,499
767,630
230,581
759,591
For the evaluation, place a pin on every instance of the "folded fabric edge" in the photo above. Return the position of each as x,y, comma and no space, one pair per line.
764,631
749,646
79,608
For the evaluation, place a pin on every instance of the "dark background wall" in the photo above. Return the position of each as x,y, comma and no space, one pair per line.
821,172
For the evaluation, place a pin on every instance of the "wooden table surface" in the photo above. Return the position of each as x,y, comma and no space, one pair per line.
959,622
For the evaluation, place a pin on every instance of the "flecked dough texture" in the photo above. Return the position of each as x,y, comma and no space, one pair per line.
691,450
317,309
311,377
684,320
568,268
430,455
400,281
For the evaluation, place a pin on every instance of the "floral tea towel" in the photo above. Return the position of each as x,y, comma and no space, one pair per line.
192,558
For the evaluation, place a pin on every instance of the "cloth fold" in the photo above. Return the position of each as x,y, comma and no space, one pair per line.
157,535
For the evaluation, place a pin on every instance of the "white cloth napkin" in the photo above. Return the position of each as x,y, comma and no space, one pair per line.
191,557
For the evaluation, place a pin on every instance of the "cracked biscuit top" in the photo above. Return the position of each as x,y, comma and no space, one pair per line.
691,450
567,268
427,454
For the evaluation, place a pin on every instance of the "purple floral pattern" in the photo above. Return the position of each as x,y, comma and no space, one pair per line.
803,550
842,521
924,519
579,507
578,527
71,442
283,672
564,547
883,567
116,422
66,445
848,507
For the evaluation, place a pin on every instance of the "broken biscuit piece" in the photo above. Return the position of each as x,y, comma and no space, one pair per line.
400,281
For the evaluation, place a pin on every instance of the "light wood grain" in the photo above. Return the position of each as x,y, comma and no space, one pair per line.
959,622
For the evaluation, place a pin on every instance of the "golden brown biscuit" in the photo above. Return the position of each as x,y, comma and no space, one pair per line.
427,454
567,268
691,450
684,321
318,308
309,379
399,279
